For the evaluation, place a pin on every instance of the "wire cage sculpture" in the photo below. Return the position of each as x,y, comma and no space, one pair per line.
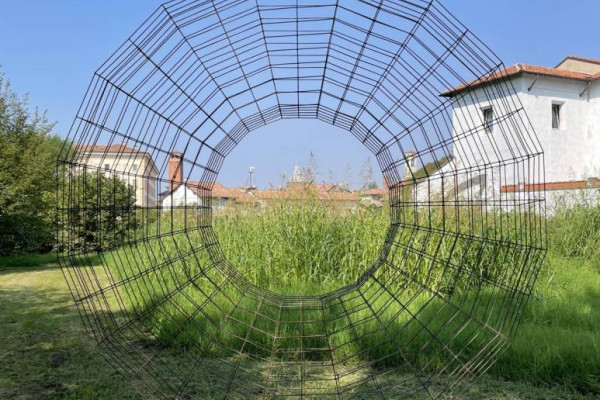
465,242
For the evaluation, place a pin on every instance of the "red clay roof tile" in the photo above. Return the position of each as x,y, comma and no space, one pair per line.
518,69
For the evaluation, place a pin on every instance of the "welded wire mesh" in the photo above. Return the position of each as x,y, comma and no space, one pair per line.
409,81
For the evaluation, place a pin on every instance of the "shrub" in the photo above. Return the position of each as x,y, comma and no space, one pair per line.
28,153
99,214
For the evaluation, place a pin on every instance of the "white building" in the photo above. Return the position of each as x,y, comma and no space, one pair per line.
563,106
184,193
132,165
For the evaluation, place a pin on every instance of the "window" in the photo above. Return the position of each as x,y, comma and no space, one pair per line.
413,161
107,166
134,168
488,120
556,116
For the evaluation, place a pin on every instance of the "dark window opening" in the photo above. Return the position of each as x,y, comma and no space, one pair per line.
556,116
488,120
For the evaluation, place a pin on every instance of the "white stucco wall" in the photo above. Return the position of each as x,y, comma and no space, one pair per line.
182,196
135,169
571,153
557,199
486,161
592,157
504,151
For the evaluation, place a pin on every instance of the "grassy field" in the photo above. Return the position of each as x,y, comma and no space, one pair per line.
46,354
28,260
559,339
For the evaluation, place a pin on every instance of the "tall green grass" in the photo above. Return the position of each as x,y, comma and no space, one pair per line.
575,232
559,339
311,248
302,248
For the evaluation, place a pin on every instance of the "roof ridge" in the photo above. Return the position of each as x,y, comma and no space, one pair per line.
580,58
523,68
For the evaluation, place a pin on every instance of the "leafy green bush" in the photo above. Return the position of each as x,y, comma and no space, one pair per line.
28,153
99,213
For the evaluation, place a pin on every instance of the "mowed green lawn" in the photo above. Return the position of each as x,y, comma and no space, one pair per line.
46,354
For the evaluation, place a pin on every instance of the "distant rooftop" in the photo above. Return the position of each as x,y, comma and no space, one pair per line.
86,150
113,148
218,190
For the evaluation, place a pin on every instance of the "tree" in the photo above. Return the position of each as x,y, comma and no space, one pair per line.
28,153
101,209
99,212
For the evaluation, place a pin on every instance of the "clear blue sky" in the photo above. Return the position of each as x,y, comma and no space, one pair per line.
50,50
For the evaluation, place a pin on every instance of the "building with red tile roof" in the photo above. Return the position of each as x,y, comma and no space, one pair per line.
519,69
182,193
561,105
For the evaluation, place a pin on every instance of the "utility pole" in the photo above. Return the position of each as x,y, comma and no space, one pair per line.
251,177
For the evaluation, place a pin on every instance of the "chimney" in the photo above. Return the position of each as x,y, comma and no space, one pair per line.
175,170
410,166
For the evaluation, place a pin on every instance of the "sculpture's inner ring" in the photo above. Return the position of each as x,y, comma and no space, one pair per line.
376,147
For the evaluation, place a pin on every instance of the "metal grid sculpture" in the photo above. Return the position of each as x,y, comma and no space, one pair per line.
464,243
